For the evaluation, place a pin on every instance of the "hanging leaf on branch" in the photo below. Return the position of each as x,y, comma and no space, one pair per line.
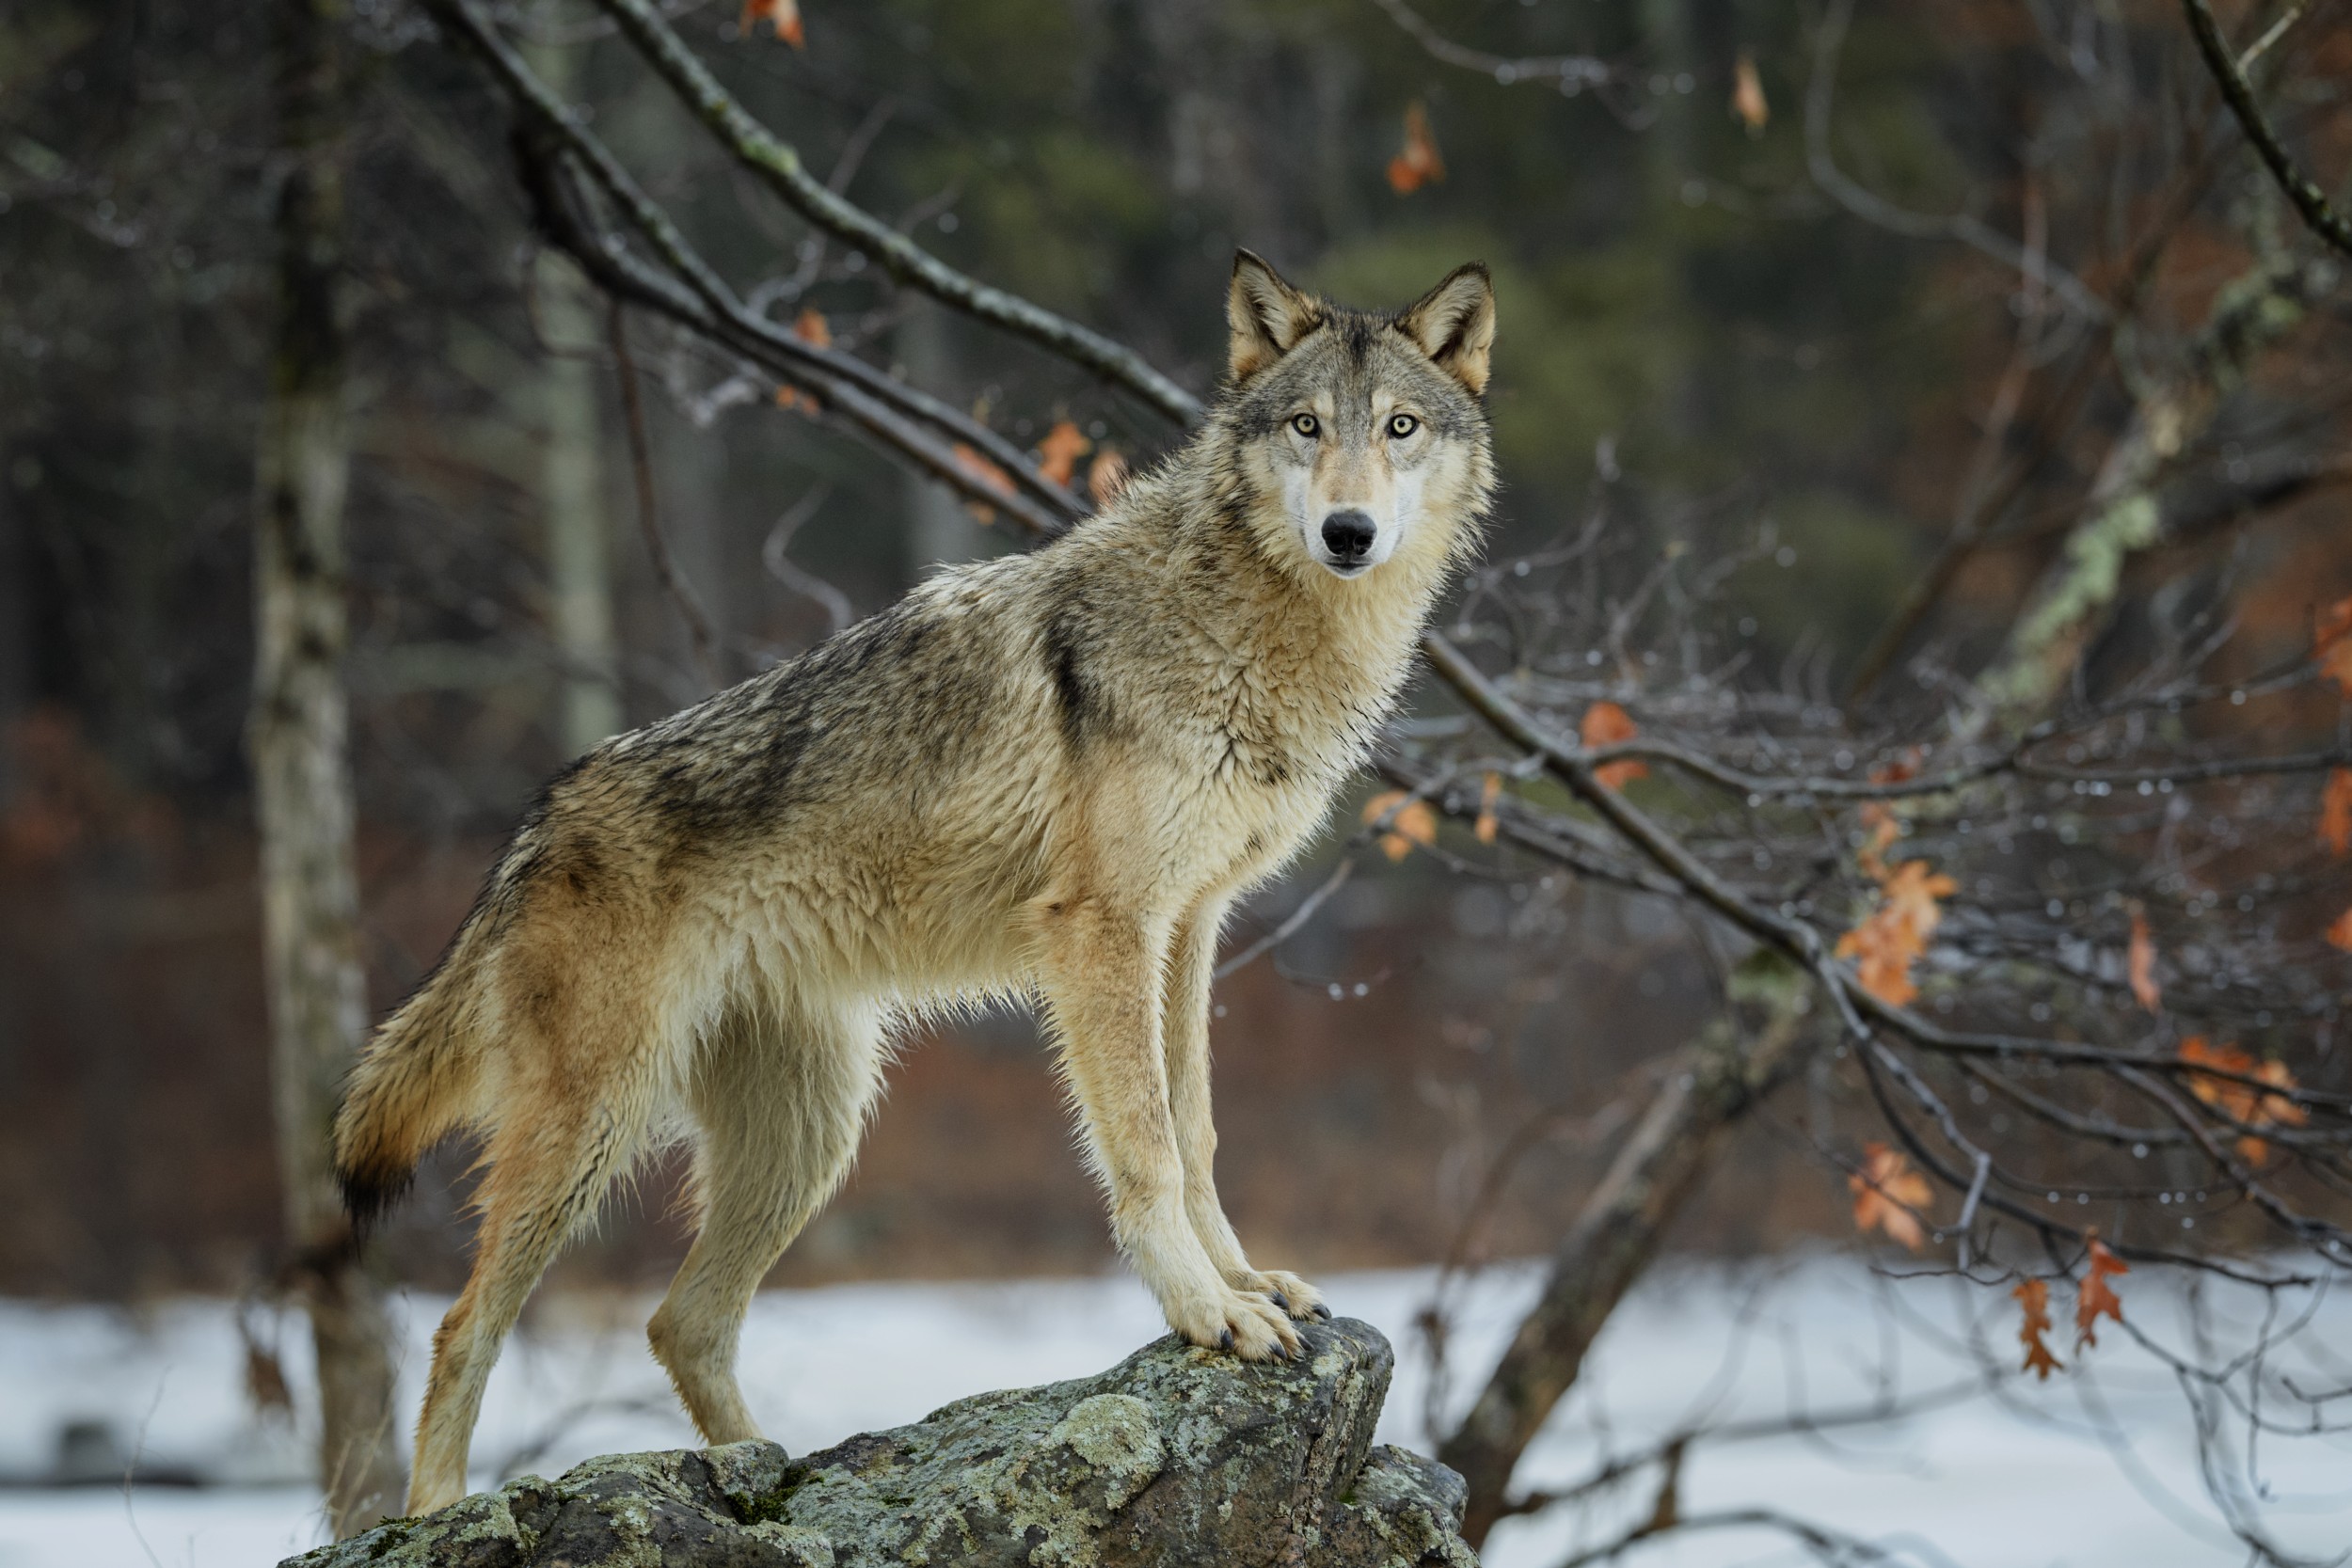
2142,965
1420,162
2331,645
2033,1300
1894,935
2241,1102
2095,1298
2335,811
1057,454
1415,822
1747,95
1889,1196
1604,724
784,15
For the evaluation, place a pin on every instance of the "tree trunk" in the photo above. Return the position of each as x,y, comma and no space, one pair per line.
301,775
1618,1233
579,528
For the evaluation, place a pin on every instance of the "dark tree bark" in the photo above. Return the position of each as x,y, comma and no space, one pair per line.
301,771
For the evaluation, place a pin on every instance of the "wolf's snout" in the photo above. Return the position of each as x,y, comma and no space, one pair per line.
1348,536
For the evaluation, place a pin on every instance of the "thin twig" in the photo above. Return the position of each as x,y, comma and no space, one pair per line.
2322,220
648,516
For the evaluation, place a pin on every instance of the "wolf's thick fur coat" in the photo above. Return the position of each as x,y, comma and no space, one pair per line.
1048,775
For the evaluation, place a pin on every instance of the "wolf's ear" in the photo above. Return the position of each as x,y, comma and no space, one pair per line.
1267,316
1455,325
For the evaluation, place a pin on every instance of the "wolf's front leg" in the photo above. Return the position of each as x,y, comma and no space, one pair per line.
1191,971
1100,969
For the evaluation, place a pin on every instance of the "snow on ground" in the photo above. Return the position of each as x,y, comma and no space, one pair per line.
2031,1477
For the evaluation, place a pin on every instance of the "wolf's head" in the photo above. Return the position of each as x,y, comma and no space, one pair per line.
1360,435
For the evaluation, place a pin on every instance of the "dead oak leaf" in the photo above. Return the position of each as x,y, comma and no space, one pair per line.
1747,95
1489,793
784,15
2094,1298
2141,963
2033,1300
2339,932
1894,936
1057,454
1410,821
1419,163
1889,1194
2332,643
2335,811
1604,724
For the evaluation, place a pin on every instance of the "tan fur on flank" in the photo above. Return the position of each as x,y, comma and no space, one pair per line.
1044,776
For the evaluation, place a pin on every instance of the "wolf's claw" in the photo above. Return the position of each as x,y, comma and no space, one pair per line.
1279,1300
1322,1311
1224,1340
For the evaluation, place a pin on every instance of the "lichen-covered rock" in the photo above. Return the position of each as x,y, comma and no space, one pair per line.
1175,1456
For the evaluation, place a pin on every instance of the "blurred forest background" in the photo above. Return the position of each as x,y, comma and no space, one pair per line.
1696,316
1675,300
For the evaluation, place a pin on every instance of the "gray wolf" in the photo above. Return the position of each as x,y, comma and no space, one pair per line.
1046,776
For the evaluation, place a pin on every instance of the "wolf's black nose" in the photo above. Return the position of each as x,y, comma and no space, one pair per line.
1348,534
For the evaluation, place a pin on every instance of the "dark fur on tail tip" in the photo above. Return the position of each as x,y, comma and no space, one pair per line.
370,1193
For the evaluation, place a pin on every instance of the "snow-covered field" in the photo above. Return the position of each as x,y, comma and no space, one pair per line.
2085,1470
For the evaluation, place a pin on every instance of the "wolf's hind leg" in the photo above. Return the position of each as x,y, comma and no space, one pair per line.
546,1174
780,1108
1191,971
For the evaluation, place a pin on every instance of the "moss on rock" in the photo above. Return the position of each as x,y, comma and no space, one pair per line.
1175,1456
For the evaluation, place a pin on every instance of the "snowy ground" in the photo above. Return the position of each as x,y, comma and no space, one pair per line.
2085,1470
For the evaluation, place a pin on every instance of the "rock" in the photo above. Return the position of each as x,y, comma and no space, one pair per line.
1175,1456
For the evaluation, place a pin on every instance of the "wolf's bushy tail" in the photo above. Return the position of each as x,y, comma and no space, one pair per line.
418,1081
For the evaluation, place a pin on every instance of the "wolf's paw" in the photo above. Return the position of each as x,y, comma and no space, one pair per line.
1250,1327
1288,1292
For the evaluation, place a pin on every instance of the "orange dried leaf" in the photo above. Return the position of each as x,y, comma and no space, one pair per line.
2335,811
1604,724
784,15
1894,936
2142,965
2033,1300
2244,1103
1487,794
2095,1298
2339,931
1419,163
1057,454
792,397
1747,95
811,327
1887,1196
1414,822
2331,645
1106,476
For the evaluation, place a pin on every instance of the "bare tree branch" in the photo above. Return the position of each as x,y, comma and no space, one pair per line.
2229,76
779,166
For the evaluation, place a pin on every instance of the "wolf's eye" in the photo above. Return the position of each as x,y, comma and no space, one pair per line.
1306,424
1402,425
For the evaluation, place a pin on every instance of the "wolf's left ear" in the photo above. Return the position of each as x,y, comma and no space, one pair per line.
1455,325
1267,316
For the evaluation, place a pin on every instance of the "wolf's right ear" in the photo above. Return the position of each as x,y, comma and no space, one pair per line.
1266,314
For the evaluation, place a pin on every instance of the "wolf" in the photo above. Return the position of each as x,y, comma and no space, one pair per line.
1046,777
